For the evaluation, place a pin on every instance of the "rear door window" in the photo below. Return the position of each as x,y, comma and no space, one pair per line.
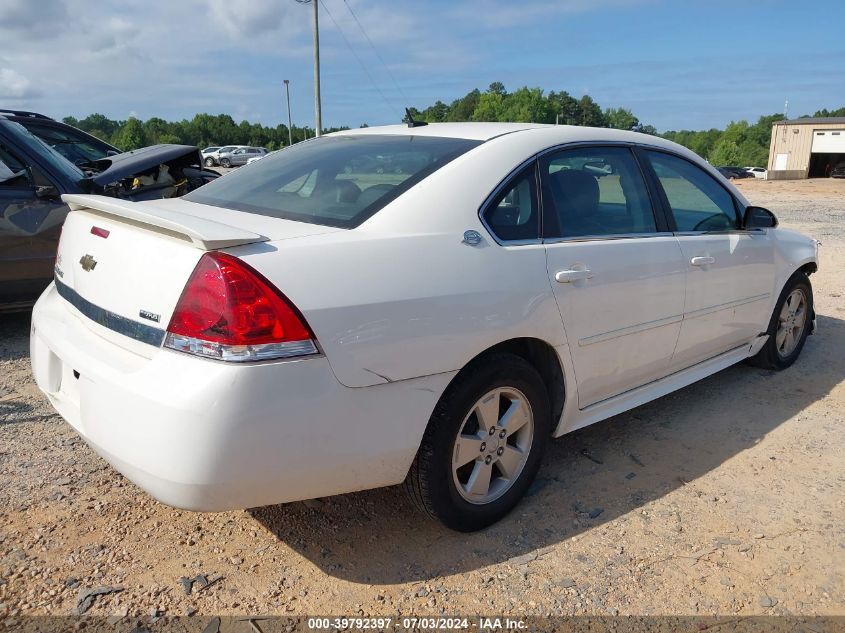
594,192
336,180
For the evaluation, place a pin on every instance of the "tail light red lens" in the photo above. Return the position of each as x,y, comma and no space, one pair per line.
231,312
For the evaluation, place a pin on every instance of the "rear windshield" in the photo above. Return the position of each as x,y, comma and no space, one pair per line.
333,180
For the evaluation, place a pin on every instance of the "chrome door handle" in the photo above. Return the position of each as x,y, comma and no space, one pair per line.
568,276
702,261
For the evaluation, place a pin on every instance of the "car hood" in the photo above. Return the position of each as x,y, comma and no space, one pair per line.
114,168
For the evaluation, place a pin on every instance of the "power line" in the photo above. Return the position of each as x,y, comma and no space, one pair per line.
352,50
375,50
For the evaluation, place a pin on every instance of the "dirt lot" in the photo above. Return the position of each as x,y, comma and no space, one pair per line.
725,497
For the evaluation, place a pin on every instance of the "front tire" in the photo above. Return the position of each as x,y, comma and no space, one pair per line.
789,326
225,162
483,445
209,162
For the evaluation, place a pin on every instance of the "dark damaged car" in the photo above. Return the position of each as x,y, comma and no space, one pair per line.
33,176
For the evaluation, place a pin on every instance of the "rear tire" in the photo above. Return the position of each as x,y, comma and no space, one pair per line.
789,326
502,392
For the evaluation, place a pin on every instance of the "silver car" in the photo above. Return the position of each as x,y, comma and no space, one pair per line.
213,158
240,156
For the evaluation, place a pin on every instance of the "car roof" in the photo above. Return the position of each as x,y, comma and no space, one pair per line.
25,113
473,131
541,135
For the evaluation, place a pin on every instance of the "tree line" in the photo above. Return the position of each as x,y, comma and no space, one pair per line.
530,105
203,130
740,143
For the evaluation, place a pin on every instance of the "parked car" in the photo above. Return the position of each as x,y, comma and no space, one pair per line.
34,174
758,172
213,158
838,170
208,151
81,148
734,173
305,331
77,146
240,156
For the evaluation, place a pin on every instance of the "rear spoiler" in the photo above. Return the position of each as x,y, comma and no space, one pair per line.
201,233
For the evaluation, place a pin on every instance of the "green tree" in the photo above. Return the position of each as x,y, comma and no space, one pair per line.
646,129
497,88
726,152
155,129
621,119
491,106
436,113
526,105
564,108
131,135
824,112
99,122
463,108
591,114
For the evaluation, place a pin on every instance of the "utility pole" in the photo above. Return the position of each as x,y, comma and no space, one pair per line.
318,119
290,125
317,114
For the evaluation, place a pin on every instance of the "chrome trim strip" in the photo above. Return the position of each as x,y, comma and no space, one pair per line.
614,236
725,232
115,322
632,329
726,306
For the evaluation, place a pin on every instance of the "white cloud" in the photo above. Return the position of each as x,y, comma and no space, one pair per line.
248,18
15,86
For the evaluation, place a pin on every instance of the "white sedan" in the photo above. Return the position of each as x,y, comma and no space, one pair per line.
420,304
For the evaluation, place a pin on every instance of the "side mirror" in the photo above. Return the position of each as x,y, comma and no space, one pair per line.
47,192
758,218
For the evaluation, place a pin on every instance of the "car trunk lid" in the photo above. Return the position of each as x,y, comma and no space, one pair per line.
123,265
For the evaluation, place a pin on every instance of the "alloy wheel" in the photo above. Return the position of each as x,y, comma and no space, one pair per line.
791,322
492,445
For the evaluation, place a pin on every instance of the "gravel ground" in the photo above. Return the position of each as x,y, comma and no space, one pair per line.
722,498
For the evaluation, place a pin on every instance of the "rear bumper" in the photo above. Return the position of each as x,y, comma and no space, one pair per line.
206,435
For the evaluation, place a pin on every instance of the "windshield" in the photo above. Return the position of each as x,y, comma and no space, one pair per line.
77,148
334,180
44,151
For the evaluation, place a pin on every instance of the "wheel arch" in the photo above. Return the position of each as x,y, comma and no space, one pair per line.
540,355
808,269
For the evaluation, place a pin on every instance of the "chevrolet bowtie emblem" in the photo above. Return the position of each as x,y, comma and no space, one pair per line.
88,263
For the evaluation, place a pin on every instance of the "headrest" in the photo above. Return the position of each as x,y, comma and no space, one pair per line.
577,191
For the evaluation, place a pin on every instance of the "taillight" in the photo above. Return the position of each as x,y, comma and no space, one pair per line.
228,311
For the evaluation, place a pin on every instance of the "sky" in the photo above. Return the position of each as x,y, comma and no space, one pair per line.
677,64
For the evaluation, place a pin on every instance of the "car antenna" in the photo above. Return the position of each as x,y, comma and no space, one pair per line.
411,122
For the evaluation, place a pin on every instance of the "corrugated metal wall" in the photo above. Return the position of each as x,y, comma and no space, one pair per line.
796,142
